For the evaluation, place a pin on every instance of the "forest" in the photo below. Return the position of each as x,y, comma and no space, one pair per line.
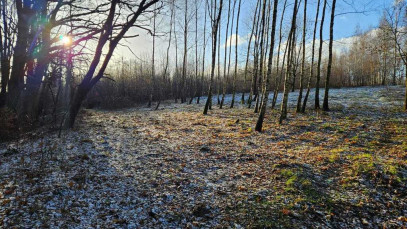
203,114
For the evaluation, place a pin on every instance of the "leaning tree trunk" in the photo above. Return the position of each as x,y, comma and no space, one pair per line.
90,79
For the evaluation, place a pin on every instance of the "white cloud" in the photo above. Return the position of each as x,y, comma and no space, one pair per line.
231,41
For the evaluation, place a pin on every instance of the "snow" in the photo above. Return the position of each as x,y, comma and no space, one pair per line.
137,168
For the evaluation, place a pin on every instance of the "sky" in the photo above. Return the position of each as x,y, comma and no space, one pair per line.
350,14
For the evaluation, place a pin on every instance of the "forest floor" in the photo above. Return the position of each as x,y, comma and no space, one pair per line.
176,168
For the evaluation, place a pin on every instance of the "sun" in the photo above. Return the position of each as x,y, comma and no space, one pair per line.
66,40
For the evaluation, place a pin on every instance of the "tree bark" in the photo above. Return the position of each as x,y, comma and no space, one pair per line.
284,104
215,27
203,60
321,42
311,75
278,78
304,31
236,57
16,82
405,97
260,120
89,81
248,49
325,105
225,77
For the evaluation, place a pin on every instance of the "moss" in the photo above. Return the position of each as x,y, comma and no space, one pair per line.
391,169
306,183
287,173
291,181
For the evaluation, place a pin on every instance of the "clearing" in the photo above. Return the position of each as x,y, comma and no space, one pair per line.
175,168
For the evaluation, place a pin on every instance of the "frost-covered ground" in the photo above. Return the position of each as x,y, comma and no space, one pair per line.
368,97
175,168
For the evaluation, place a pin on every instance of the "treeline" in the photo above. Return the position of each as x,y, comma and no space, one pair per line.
55,55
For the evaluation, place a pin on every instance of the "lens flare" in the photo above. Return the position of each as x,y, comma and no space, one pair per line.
66,40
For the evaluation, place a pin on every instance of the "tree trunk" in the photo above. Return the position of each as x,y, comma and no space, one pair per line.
284,104
225,77
184,62
89,81
325,105
168,54
236,57
215,27
248,48
311,75
253,87
304,31
321,42
405,97
203,60
278,78
263,34
150,101
5,44
16,82
260,120
76,103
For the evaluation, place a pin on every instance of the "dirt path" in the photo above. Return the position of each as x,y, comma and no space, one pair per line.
177,168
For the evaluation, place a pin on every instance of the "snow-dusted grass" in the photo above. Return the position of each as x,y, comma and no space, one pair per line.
175,168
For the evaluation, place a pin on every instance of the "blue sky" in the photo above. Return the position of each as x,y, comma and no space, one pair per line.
346,24
363,13
350,13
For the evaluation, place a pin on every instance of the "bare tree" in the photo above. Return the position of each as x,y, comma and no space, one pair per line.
203,56
304,31
224,83
150,100
7,36
168,51
196,53
291,47
185,58
321,42
277,78
215,16
90,79
236,56
16,82
248,48
253,87
311,75
260,120
325,105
